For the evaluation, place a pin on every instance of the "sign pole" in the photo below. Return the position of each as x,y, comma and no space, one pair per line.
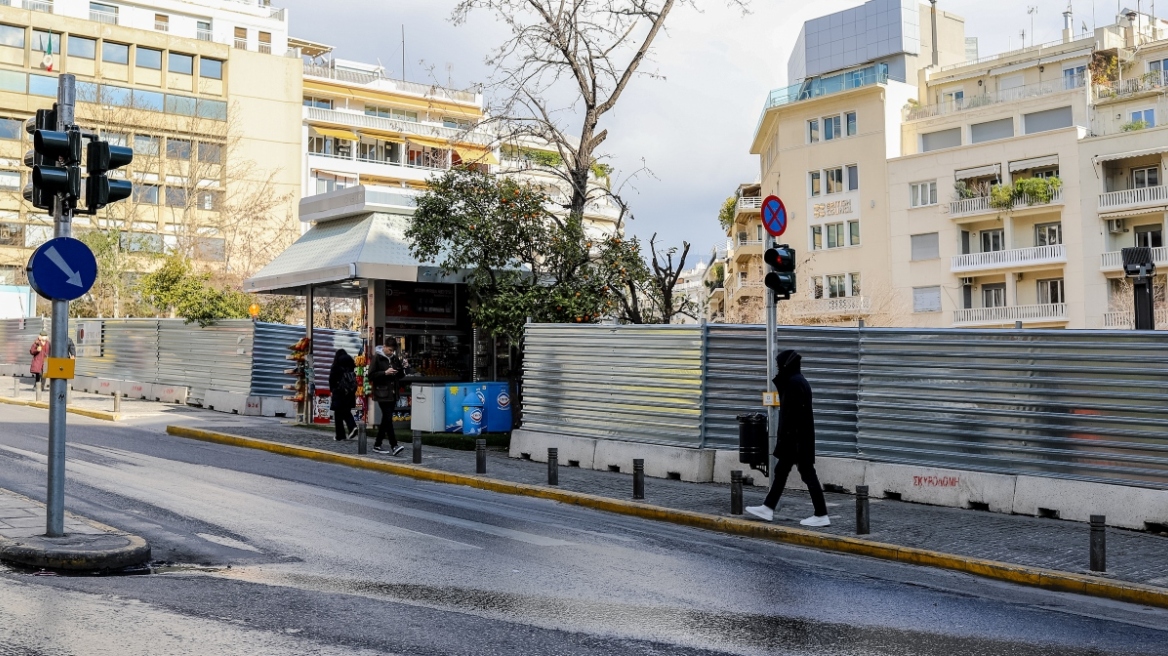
772,411
58,387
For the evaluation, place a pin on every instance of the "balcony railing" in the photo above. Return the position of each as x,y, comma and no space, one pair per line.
351,158
834,307
265,48
39,5
1150,82
1004,96
747,203
1042,48
204,35
106,17
162,26
981,204
357,77
1125,319
1010,313
1133,198
241,43
354,120
824,86
1016,257
1114,259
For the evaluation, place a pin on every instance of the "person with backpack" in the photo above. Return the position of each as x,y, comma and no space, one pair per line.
343,387
385,370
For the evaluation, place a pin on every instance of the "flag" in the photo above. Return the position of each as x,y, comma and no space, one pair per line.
49,54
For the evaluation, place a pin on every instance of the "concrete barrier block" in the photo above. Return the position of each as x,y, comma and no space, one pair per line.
253,406
534,443
844,473
274,406
230,402
694,465
170,393
132,390
8,386
941,487
9,370
1124,506
726,461
106,386
81,383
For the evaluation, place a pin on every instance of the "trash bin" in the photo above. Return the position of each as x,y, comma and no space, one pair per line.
498,408
472,417
753,441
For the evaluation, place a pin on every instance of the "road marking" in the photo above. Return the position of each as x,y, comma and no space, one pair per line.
228,542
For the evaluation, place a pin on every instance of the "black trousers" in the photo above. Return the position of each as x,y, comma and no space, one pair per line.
345,424
386,427
810,479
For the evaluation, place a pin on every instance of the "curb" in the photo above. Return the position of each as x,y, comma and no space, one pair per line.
110,550
1020,574
84,412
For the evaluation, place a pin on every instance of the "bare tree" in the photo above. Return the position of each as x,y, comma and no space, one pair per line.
664,279
1123,302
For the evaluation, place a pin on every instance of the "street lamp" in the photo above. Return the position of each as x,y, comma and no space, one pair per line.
254,310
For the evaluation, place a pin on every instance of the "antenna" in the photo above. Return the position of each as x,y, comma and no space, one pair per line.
1033,11
403,52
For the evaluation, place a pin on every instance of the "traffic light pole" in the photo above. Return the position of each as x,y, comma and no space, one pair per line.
771,326
59,347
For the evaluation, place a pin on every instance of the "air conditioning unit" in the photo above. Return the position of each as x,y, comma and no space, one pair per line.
1117,226
967,281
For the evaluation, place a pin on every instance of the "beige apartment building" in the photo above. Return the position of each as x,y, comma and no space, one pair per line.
204,93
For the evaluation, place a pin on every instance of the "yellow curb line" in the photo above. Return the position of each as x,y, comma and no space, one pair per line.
84,412
1020,574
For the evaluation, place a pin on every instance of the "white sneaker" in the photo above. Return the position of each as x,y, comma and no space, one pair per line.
816,520
761,512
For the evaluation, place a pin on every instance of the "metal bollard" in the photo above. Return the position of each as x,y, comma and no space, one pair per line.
36,389
553,466
1017,325
638,478
1098,543
117,403
362,438
417,447
862,516
480,456
736,492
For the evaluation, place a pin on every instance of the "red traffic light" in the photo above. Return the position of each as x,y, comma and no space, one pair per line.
781,279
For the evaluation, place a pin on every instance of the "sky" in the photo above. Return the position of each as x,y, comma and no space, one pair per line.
692,127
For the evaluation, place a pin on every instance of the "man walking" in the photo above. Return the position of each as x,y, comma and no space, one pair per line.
796,445
385,370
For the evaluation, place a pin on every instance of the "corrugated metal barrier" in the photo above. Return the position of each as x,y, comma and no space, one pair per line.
1089,405
271,350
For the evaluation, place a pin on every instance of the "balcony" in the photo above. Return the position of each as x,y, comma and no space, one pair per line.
1148,83
1016,258
746,249
750,204
162,25
397,126
104,17
265,48
204,35
847,306
241,44
39,5
1005,96
1133,199
358,77
981,205
739,288
1010,314
818,87
1126,320
1113,261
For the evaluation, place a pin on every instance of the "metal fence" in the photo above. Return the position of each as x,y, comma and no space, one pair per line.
1089,405
271,350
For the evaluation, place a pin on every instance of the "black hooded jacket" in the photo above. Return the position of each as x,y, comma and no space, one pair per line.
796,419
343,381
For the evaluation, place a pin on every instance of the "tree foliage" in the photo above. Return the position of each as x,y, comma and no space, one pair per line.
178,290
727,212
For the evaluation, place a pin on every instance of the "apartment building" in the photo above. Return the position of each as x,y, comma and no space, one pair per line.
714,280
743,295
203,92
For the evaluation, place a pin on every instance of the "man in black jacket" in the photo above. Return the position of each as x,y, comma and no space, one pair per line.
796,445
385,370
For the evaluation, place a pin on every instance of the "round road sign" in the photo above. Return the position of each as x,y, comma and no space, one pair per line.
774,216
62,269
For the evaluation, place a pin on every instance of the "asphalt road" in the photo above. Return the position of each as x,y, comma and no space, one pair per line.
266,554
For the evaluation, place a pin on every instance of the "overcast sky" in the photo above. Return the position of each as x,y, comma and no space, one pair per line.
693,128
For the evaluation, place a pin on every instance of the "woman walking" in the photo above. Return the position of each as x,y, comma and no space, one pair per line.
343,387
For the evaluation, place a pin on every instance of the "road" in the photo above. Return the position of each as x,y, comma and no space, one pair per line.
273,555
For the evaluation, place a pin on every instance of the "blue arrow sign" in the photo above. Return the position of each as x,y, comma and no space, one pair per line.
62,269
774,216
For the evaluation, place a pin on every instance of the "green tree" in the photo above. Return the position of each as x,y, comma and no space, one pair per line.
178,290
727,212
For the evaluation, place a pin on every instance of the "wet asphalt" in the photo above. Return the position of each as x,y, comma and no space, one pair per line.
264,554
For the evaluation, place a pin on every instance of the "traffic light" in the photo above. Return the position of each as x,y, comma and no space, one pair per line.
46,119
781,278
99,189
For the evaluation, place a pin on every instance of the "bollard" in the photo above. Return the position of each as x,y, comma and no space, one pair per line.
862,516
553,466
362,438
1017,325
417,447
480,456
117,403
1098,543
639,478
36,390
736,492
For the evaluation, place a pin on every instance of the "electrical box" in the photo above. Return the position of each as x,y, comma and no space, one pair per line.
428,414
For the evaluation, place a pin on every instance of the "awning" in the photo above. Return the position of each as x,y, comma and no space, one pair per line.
1012,68
1065,56
481,155
336,134
432,142
1126,213
979,172
1033,163
1131,153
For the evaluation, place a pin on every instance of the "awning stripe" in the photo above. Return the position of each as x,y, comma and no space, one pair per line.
1034,163
336,134
1132,153
978,172
1127,213
428,141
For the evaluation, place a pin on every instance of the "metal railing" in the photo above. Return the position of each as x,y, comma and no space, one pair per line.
750,203
352,158
1036,255
1133,198
1150,82
983,204
817,87
359,121
240,43
1016,94
162,26
265,48
749,242
1125,319
204,35
833,307
1031,50
1114,259
1008,314
106,17
39,5
357,77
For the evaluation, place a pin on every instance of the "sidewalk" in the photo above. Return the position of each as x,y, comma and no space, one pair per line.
102,405
1132,556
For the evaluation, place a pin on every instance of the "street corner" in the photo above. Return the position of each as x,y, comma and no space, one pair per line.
76,552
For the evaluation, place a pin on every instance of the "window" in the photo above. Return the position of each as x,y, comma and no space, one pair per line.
993,296
992,240
116,138
322,103
831,128
837,286
922,194
387,112
1002,128
208,200
1149,236
210,68
855,280
1051,119
210,152
853,233
10,128
13,81
45,42
115,96
179,63
926,299
457,123
148,100
162,22
835,235
115,53
956,97
1146,177
212,109
1157,65
816,238
813,130
178,148
10,180
925,247
853,177
1148,116
147,194
835,180
941,139
758,233
813,182
82,47
1048,234
1073,77
241,38
1051,291
203,29
148,58
42,85
326,182
145,145
11,234
266,42
181,105
11,36
176,197
850,119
